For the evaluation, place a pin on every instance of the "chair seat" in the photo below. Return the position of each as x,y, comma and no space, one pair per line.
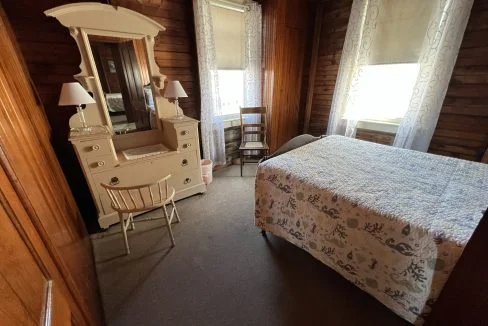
253,145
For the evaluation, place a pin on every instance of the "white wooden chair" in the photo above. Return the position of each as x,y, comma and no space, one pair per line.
129,200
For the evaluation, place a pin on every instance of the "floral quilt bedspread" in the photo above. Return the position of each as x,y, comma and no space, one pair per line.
401,264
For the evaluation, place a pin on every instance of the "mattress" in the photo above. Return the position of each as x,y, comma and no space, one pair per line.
392,221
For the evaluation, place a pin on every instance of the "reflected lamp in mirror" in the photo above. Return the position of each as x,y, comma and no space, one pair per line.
74,94
175,90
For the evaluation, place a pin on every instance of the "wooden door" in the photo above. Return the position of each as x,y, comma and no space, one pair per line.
47,273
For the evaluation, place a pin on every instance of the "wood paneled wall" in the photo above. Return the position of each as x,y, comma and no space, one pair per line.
52,58
44,240
332,35
462,128
285,34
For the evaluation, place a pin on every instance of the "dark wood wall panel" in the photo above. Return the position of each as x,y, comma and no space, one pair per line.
52,58
286,27
36,200
334,26
462,128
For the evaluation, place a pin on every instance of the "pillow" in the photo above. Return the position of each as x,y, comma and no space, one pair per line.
293,143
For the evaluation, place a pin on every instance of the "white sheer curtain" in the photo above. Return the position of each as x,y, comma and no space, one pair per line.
437,60
212,123
396,62
355,54
252,61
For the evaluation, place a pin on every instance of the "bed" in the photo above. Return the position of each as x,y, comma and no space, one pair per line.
392,221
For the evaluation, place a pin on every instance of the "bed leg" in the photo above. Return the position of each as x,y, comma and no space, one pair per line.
263,233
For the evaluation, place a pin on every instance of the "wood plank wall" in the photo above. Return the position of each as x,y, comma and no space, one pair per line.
333,33
285,33
52,58
462,129
40,207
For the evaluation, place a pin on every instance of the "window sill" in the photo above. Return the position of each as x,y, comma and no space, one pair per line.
231,120
381,126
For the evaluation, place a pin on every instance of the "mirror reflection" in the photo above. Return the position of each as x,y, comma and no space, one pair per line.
124,76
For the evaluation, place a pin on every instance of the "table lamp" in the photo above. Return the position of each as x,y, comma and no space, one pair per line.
175,90
74,94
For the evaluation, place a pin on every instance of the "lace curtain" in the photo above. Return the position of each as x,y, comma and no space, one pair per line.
437,60
426,34
355,53
252,60
212,123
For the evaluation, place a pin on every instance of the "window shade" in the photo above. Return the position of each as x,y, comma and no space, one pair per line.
229,36
401,30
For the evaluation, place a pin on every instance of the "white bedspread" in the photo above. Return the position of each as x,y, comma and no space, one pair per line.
392,221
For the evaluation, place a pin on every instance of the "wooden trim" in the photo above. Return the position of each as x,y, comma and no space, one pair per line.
313,65
253,110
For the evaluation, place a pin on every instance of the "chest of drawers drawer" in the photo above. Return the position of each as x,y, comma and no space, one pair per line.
186,132
92,148
100,163
187,179
186,145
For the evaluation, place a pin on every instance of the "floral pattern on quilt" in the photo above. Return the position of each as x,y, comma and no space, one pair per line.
401,265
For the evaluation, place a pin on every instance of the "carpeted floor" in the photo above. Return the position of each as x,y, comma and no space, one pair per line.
222,271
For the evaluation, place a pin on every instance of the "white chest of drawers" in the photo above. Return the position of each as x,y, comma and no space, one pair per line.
100,156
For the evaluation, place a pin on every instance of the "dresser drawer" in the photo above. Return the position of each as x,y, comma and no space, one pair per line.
186,132
177,163
93,148
186,145
187,179
100,163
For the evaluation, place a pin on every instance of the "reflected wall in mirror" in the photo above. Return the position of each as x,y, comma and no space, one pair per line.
124,77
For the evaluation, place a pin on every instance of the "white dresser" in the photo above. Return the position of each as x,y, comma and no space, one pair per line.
101,157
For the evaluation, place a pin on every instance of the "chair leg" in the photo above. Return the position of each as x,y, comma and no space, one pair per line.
132,224
176,212
242,161
168,225
124,233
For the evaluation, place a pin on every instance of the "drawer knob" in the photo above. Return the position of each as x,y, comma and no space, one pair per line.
185,132
187,181
186,145
184,162
101,163
114,181
96,147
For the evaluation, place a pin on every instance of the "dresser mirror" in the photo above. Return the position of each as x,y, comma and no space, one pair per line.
124,78
117,65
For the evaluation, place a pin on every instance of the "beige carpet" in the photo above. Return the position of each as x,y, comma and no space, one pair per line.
222,271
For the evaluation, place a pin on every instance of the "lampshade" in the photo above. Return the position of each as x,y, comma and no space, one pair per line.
174,89
74,94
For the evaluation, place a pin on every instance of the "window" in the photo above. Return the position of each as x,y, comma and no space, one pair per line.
231,89
385,90
381,70
229,34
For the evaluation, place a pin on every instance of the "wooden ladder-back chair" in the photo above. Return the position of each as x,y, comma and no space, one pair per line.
257,129
140,198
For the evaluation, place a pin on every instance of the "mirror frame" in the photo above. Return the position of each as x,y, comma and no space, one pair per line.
84,19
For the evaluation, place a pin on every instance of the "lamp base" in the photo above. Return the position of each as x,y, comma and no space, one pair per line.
178,115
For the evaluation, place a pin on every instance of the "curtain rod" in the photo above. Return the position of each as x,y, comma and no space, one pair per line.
229,5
